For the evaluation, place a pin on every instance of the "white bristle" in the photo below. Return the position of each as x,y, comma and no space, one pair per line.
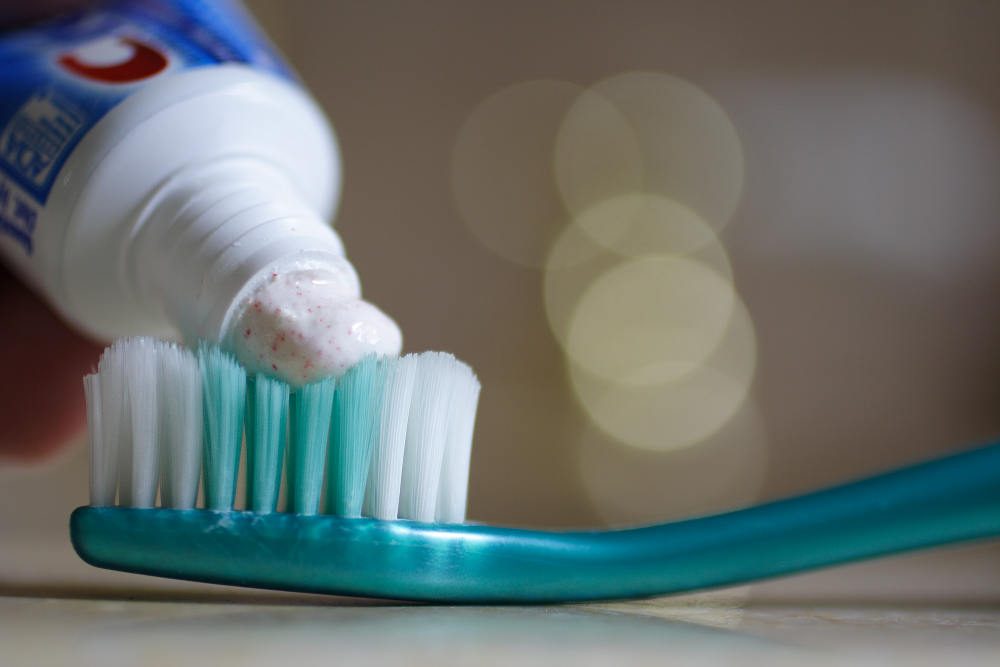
139,479
103,468
386,470
180,409
454,484
426,433
115,432
145,413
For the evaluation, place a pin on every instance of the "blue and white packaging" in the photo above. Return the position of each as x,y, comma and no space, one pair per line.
156,158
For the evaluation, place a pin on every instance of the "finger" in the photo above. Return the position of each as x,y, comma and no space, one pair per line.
43,361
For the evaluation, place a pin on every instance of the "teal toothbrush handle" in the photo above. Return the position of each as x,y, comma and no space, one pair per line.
951,499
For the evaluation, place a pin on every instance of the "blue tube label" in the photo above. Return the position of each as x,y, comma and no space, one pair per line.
59,78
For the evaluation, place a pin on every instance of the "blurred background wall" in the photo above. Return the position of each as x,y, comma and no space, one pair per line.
827,174
864,243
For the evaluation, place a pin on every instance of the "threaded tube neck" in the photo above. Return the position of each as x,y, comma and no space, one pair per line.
210,234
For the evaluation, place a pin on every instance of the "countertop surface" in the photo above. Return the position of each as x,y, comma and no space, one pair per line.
75,627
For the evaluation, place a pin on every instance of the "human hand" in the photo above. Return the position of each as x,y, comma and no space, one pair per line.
41,393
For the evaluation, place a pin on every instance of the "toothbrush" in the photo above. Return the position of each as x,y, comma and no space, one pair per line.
399,456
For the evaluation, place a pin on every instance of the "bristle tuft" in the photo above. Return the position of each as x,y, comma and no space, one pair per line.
310,410
224,390
454,484
266,435
116,434
181,425
103,461
140,469
425,436
386,469
355,411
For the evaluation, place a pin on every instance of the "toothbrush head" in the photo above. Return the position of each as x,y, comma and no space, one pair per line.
393,435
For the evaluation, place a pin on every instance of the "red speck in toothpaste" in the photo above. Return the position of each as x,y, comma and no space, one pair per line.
246,334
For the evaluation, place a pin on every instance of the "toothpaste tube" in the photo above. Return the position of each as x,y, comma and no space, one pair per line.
163,173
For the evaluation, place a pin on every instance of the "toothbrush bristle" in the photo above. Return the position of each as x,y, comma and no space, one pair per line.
425,436
103,473
392,435
355,411
454,484
266,435
141,370
181,425
311,407
224,384
386,469
115,435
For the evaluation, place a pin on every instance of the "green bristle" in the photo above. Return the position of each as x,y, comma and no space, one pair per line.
311,406
266,424
355,412
224,387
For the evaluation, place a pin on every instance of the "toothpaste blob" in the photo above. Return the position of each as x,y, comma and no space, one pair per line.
307,324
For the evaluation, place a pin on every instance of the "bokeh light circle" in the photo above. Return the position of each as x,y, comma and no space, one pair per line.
636,223
502,176
597,153
682,142
627,226
649,320
677,413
